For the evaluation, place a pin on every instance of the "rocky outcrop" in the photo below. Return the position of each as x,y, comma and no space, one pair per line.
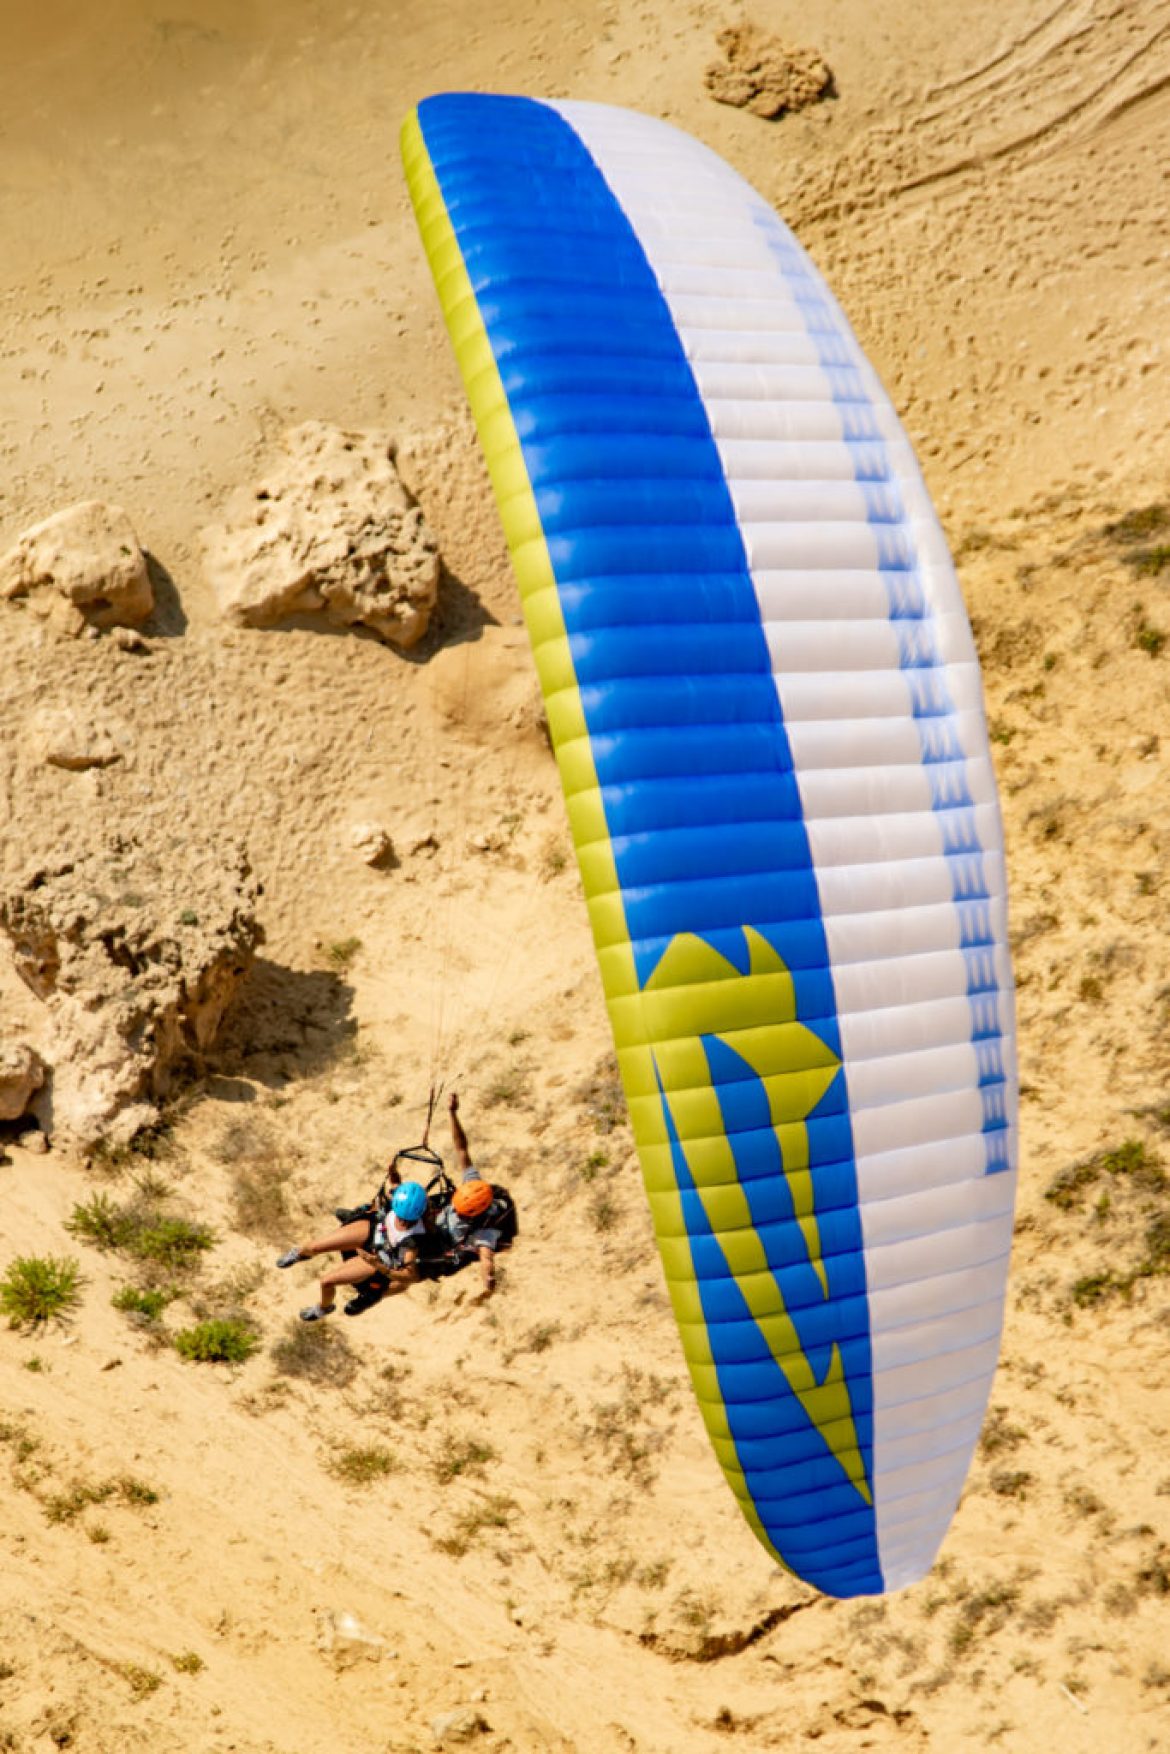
83,566
330,529
22,1073
137,955
764,75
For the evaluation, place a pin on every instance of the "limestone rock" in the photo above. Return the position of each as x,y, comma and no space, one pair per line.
459,1726
127,640
136,955
86,559
67,737
373,843
331,528
764,75
343,1638
22,1073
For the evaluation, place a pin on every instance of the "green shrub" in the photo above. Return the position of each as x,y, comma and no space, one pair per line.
38,1289
140,1229
101,1222
174,1243
341,952
217,1342
142,1681
134,1300
151,1187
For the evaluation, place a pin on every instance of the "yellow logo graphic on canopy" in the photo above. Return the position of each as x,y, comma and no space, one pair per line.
696,992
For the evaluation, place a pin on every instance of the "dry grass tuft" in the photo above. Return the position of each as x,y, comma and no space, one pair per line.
315,1352
361,1467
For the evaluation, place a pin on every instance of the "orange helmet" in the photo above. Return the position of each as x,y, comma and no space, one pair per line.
472,1198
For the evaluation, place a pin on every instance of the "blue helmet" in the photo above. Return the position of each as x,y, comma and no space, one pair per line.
409,1201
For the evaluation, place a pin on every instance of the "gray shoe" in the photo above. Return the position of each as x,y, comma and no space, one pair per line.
317,1312
289,1258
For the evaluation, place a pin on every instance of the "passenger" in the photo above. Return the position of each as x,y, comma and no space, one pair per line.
385,1247
470,1225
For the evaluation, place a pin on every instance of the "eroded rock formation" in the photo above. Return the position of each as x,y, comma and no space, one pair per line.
330,529
137,954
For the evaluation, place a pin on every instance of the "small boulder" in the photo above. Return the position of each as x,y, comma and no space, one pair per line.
372,842
87,559
762,74
346,1641
331,529
127,640
463,1725
22,1073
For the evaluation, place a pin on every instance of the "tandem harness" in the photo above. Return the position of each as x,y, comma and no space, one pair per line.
438,1257
439,1188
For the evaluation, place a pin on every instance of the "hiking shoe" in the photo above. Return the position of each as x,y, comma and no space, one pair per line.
350,1214
316,1312
363,1301
289,1258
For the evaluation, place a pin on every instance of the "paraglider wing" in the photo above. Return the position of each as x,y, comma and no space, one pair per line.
767,714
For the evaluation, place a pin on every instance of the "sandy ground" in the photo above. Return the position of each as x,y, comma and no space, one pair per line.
204,239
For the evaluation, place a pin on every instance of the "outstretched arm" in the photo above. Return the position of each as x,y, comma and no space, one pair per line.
458,1136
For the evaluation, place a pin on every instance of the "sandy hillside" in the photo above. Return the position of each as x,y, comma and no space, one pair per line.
204,239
